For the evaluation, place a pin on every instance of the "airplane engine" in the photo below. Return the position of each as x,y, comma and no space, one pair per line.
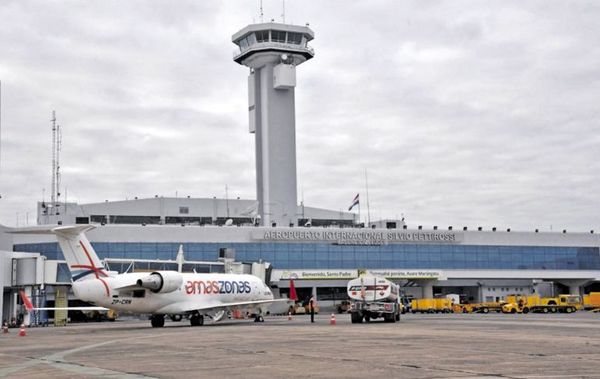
161,281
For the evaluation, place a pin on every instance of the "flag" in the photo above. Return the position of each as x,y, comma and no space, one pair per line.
355,202
293,295
26,302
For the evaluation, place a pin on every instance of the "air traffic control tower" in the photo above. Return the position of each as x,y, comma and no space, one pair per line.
272,51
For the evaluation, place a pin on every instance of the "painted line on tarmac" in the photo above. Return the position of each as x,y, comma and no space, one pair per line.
57,360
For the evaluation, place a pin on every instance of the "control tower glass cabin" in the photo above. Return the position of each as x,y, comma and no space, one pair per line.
272,51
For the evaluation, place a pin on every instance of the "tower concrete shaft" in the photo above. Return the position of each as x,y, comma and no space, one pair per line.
272,51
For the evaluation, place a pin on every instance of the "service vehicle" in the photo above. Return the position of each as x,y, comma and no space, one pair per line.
406,304
373,297
591,301
462,308
100,315
443,305
564,303
307,308
298,309
436,305
343,307
423,305
526,304
487,307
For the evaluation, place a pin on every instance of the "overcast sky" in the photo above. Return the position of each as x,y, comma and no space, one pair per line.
464,113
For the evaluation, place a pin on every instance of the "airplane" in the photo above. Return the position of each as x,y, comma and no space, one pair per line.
159,293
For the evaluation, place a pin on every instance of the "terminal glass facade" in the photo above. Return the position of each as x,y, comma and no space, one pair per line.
330,256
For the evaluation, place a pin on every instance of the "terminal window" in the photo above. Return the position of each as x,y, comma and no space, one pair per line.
184,210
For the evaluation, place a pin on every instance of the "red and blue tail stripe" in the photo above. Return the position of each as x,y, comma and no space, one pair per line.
90,269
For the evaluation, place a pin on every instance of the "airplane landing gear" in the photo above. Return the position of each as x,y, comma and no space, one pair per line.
157,321
259,318
197,320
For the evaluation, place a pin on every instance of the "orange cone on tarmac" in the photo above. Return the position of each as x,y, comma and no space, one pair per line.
332,319
289,316
22,332
5,328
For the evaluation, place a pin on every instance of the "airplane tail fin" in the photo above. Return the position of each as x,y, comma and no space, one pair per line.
26,301
79,253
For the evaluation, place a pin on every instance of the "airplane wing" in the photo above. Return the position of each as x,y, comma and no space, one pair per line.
68,309
29,306
191,307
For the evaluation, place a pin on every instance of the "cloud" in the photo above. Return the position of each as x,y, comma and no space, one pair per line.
461,113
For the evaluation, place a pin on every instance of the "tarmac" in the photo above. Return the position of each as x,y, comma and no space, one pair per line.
419,346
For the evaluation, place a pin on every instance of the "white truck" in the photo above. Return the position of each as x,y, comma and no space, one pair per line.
373,297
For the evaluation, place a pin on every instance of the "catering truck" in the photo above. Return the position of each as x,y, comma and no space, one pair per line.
373,297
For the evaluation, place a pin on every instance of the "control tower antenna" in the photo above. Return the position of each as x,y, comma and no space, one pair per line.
283,11
58,150
273,51
53,187
261,13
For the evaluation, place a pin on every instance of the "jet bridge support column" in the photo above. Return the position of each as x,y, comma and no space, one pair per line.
574,285
426,288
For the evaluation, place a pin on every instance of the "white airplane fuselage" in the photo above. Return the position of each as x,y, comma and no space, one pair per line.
187,292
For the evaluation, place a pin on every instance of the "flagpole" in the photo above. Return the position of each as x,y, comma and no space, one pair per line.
359,209
368,209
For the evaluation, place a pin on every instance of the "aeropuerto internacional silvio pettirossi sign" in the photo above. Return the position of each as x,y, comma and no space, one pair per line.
356,237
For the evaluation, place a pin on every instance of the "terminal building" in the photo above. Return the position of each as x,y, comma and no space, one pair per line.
321,249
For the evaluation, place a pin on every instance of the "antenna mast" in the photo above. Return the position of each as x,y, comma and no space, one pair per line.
261,12
53,185
283,11
56,147
58,150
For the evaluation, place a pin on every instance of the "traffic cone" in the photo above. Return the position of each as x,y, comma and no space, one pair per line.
22,332
4,328
289,316
332,319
